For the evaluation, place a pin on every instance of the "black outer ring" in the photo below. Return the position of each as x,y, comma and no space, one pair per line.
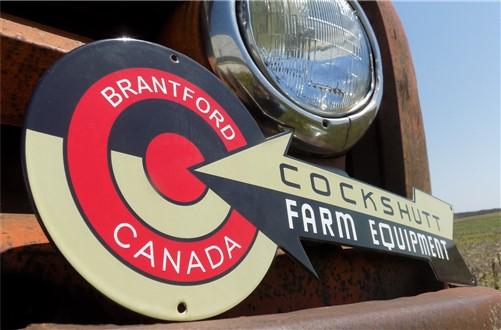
63,84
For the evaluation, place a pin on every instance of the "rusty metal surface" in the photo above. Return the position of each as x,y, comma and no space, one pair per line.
182,32
459,308
346,276
395,146
27,50
19,230
99,19
392,155
31,271
39,285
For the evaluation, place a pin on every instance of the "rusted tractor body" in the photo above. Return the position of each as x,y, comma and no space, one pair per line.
39,286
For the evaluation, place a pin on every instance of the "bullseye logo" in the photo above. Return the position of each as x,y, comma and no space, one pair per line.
158,187
160,219
111,141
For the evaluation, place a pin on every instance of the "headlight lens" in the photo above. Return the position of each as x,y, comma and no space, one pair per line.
315,52
313,66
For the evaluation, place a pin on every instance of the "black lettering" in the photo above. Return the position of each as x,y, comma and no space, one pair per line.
282,175
366,197
427,215
327,191
415,219
437,219
343,185
402,211
385,206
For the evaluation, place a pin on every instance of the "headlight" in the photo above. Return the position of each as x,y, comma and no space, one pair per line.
315,52
310,65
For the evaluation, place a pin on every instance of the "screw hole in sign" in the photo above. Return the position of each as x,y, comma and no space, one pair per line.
174,58
182,308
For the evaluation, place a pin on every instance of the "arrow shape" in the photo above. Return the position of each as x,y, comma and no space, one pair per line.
289,200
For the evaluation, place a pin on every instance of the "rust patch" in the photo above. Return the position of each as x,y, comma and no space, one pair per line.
183,32
460,308
20,230
346,276
27,51
395,146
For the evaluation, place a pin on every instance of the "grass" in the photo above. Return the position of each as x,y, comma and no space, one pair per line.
479,240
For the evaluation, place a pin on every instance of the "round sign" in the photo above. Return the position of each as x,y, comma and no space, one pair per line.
112,134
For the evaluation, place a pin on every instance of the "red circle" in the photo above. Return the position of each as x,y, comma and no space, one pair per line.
117,227
168,160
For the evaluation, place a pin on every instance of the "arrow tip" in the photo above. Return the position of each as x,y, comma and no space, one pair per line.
229,177
297,252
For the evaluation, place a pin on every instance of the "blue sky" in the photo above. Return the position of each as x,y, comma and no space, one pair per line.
456,53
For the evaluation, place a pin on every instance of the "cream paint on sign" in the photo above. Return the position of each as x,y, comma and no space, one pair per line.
69,231
203,217
265,165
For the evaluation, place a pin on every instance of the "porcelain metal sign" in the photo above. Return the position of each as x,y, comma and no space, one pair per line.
159,188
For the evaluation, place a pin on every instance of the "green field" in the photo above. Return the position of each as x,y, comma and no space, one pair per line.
479,241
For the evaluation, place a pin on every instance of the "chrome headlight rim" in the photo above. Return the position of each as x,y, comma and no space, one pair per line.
317,133
243,13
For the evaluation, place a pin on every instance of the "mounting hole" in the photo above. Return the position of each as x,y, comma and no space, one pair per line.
325,123
173,58
182,308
